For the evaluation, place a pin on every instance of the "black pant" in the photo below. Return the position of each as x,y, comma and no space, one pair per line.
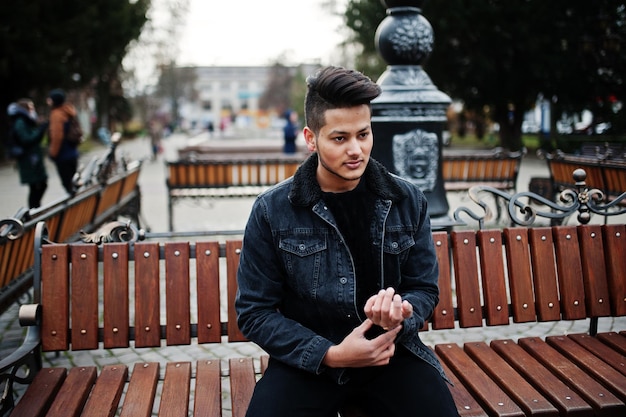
66,170
37,189
408,386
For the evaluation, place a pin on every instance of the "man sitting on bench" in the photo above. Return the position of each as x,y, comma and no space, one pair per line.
338,273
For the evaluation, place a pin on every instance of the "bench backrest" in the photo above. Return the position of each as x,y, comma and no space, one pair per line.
608,176
486,277
228,172
497,166
65,219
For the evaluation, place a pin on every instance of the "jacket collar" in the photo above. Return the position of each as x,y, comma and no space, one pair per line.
305,190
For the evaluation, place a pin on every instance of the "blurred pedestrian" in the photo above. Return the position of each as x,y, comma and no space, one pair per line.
155,129
27,135
290,132
62,152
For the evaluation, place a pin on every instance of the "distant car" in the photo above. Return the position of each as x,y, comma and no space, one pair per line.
529,127
564,128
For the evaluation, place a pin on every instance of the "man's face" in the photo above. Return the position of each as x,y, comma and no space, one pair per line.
344,145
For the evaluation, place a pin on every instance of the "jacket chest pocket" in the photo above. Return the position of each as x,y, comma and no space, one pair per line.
396,251
304,258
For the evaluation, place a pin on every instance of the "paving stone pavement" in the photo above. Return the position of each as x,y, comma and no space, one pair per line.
230,215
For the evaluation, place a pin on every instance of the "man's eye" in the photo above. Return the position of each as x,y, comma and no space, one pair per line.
338,138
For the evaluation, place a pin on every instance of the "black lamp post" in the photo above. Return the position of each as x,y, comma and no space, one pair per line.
409,117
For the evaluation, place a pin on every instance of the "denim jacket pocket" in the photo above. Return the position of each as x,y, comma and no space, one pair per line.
396,250
397,242
303,256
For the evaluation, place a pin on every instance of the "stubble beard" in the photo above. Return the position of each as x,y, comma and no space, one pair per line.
336,174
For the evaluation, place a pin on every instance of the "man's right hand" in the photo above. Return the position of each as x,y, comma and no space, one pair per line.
356,351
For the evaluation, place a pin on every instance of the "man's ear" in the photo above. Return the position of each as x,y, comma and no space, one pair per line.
309,138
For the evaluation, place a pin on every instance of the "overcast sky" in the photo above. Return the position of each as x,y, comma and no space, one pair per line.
256,32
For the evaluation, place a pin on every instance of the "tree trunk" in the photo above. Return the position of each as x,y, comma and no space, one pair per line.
510,120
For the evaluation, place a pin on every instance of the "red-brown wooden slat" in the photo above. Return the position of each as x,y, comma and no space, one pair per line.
594,366
544,274
520,277
176,388
615,340
522,392
84,287
492,274
489,394
106,394
443,316
139,398
115,288
233,248
561,395
466,279
600,398
208,292
72,396
614,358
147,302
594,271
208,390
178,328
41,393
55,297
5,262
569,268
242,382
466,405
615,256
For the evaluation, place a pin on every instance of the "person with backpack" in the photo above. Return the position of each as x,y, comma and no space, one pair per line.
62,151
26,136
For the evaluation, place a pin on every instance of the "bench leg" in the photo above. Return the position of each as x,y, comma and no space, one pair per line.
170,214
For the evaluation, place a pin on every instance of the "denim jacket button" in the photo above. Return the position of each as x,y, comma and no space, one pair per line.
343,280
394,245
302,247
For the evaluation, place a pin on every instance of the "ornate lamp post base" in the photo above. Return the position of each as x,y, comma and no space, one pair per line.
409,117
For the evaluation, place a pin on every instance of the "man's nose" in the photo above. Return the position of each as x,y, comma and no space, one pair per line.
354,147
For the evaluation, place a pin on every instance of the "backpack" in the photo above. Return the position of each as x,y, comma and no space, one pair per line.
73,131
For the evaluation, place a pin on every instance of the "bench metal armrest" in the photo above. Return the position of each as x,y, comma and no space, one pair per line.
22,365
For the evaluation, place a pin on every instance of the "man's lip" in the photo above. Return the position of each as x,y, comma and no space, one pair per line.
355,163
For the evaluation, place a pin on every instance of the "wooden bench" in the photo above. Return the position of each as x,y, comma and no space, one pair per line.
607,175
150,294
497,168
66,219
226,175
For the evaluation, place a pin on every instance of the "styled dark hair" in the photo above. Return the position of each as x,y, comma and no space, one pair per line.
333,88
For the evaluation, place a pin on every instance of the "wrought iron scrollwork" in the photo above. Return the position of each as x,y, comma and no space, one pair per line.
114,232
11,229
582,200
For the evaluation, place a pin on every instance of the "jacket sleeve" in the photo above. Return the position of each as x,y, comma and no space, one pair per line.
28,135
260,293
420,272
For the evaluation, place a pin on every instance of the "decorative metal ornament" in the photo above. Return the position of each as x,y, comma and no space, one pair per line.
404,37
115,231
11,229
582,201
